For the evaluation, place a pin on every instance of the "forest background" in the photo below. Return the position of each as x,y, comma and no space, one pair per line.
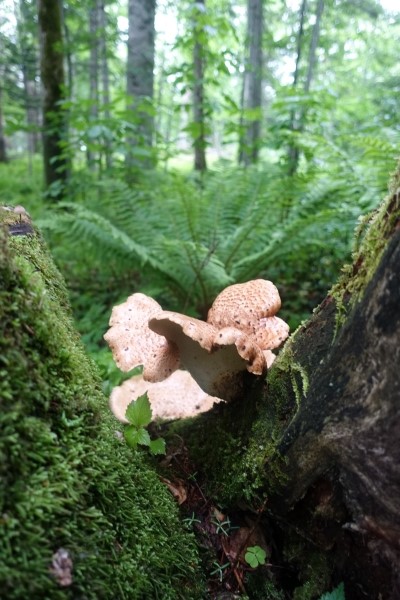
185,146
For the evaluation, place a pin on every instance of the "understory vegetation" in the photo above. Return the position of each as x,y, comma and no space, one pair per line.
182,240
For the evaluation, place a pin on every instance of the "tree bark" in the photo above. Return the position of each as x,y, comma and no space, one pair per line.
52,75
342,448
252,83
199,144
140,79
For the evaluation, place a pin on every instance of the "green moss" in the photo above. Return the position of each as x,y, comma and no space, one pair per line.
371,240
66,479
235,443
316,573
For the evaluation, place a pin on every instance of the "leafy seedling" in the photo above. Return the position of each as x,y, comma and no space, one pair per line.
255,556
139,415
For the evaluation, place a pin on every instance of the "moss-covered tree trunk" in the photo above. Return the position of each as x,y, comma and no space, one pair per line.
81,515
316,451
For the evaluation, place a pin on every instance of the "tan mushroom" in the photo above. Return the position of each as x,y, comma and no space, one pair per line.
251,308
240,332
177,397
133,343
216,367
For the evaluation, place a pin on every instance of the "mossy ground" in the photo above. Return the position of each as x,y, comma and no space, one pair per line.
66,479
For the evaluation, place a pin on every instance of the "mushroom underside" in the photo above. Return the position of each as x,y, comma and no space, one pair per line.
177,397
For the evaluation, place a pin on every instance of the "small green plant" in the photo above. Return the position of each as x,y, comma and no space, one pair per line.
223,527
255,556
220,569
138,414
336,594
189,521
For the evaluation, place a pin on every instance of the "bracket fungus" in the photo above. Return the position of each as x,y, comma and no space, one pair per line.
238,337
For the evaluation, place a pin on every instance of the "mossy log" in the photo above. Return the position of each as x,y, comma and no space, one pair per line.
316,446
81,515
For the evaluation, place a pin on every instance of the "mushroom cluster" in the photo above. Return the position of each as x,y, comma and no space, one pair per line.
239,335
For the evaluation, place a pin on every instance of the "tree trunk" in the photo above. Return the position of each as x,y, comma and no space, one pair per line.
312,59
67,51
293,152
298,122
93,74
105,78
316,454
28,48
3,151
199,143
82,515
52,74
140,80
252,84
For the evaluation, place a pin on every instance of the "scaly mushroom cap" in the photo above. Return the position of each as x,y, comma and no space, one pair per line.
250,307
177,397
133,343
217,368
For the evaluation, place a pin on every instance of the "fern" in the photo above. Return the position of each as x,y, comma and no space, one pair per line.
184,244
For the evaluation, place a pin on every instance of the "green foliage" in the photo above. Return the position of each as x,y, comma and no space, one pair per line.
336,594
138,414
255,556
182,243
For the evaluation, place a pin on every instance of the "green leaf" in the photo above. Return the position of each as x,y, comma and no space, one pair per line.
130,435
138,412
135,436
143,437
336,594
157,446
255,556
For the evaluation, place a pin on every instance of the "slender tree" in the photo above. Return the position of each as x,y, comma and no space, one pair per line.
93,71
252,84
3,152
140,77
67,49
52,74
200,163
105,76
293,150
298,117
29,64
